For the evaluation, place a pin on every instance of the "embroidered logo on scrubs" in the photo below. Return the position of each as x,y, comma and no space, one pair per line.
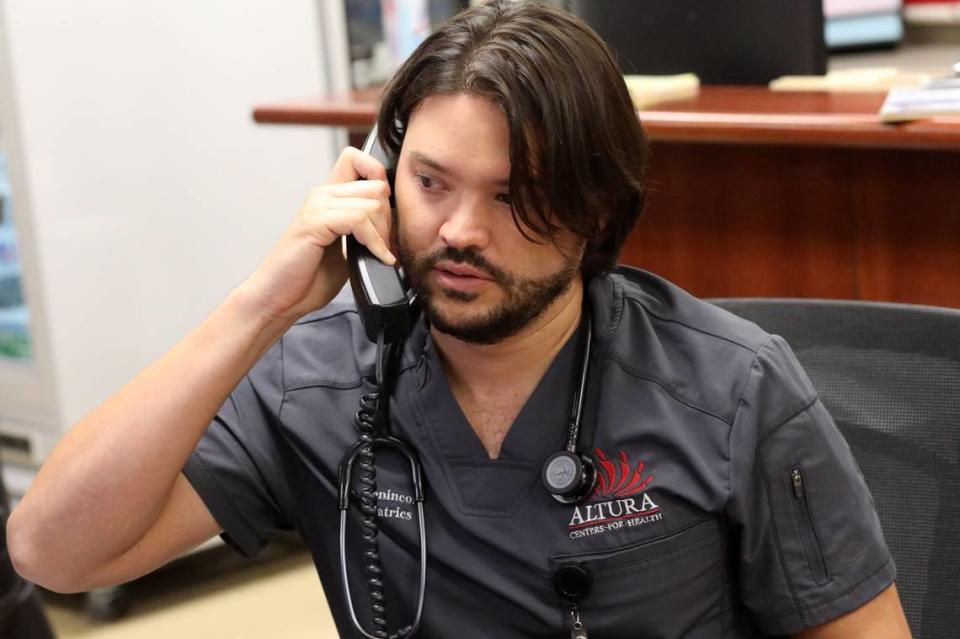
619,501
397,506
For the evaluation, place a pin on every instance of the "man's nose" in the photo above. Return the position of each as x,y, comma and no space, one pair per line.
467,225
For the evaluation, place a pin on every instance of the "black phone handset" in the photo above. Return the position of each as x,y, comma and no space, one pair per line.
385,308
382,301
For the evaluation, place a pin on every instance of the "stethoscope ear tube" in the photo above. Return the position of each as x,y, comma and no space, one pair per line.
416,478
410,630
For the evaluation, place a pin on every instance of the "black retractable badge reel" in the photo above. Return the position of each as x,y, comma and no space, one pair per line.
572,581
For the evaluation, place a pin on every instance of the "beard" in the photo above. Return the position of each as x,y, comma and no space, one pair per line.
525,299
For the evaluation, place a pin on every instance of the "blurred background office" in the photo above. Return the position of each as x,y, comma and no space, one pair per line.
136,189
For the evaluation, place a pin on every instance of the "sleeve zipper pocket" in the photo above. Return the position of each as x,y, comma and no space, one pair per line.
808,534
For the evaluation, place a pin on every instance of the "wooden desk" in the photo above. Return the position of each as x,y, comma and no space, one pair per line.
758,193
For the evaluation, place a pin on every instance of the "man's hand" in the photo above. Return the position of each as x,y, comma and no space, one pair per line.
306,268
880,618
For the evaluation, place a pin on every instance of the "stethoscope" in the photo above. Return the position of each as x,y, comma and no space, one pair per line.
568,476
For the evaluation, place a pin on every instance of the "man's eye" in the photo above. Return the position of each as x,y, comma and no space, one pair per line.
426,181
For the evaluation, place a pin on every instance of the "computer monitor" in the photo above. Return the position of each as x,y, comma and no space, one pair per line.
722,41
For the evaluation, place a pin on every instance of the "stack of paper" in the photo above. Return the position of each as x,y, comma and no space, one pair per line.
646,90
874,79
934,100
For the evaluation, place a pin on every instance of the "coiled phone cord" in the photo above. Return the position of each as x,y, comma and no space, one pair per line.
365,420
370,420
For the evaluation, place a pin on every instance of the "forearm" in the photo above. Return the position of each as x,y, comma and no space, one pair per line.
108,479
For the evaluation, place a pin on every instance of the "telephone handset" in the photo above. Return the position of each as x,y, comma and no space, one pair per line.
382,299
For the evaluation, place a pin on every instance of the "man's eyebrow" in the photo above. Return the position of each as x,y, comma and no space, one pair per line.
422,158
433,164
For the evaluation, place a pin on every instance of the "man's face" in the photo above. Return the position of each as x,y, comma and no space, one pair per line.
480,280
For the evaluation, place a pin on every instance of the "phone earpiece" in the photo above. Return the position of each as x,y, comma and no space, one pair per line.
569,477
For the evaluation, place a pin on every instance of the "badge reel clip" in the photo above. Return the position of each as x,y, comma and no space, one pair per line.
572,582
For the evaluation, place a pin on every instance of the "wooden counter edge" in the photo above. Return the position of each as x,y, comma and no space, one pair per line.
841,130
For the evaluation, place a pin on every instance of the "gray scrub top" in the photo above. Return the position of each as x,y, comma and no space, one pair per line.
728,503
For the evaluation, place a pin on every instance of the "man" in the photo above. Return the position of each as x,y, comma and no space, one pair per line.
727,504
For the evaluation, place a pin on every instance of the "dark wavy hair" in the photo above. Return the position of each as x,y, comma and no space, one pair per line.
577,149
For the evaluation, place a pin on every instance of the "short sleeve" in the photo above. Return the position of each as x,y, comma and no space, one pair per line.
810,543
237,468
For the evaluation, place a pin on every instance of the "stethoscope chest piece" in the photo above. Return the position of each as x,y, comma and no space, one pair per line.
569,476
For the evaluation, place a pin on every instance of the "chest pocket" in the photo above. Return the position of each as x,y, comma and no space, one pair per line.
673,586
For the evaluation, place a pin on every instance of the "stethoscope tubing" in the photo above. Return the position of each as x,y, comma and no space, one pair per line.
346,474
573,434
423,575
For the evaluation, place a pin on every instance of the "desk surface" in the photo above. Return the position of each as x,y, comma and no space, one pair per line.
725,115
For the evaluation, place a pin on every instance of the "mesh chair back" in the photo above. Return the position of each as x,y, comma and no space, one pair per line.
890,376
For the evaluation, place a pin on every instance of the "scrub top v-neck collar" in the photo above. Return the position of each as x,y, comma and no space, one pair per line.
538,430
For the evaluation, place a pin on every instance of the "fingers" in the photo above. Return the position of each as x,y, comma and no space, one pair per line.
332,224
368,235
353,164
368,197
354,201
378,189
358,211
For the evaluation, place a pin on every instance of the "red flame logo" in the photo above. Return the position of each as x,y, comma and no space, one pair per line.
616,480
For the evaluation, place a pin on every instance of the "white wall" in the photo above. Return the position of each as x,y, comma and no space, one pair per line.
152,192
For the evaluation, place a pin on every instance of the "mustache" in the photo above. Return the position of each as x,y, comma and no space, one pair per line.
469,256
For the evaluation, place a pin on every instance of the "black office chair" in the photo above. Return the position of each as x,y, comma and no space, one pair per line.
890,376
